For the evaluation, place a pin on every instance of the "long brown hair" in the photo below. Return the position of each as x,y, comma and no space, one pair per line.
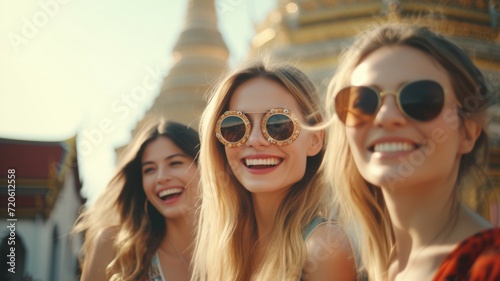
139,226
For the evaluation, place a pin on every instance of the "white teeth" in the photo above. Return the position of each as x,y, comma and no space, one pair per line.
393,147
171,191
267,161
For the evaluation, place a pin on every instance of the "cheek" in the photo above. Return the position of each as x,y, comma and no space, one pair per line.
146,182
446,139
232,157
192,188
193,179
147,185
354,140
440,131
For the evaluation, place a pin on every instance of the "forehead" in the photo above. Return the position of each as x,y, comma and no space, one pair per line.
260,95
391,66
160,147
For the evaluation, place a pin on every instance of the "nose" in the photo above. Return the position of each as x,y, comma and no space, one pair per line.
256,138
389,114
163,174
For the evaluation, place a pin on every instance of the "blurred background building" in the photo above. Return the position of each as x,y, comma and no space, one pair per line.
40,215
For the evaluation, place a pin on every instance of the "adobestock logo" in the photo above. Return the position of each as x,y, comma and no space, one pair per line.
32,25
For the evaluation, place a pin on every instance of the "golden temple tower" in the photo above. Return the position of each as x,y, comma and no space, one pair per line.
199,56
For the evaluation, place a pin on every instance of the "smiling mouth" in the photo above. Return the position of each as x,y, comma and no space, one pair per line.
393,147
262,163
170,193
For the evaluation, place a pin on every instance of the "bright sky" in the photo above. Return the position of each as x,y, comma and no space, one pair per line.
67,65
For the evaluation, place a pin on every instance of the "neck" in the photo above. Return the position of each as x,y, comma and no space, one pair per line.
419,211
179,236
427,222
419,218
265,209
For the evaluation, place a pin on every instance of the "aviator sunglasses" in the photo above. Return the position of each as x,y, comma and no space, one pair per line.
419,100
279,126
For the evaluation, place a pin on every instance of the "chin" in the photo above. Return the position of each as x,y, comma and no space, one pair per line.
260,188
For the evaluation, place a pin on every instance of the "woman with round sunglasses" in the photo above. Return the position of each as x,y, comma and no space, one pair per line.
142,226
265,208
408,138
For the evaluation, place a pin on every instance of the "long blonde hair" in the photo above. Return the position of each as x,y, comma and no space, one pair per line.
123,206
362,202
227,226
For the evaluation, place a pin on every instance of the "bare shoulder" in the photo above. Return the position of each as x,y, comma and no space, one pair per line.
329,255
100,255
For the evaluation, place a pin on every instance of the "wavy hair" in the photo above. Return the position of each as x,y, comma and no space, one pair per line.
122,205
227,227
362,202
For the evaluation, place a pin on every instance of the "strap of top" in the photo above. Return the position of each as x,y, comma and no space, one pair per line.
312,226
154,271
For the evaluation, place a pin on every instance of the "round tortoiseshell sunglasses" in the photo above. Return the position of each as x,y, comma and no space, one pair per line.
279,126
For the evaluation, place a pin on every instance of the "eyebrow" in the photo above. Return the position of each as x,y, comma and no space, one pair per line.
254,112
166,158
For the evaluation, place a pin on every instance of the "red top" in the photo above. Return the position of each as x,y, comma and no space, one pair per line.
477,258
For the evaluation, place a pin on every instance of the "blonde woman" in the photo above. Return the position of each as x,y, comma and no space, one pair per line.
264,207
142,225
408,133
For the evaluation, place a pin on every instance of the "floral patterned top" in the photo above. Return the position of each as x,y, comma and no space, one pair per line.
476,258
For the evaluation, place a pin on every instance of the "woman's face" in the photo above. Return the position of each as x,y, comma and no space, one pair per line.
393,151
169,178
262,167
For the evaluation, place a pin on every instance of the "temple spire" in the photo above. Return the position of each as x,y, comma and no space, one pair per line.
199,57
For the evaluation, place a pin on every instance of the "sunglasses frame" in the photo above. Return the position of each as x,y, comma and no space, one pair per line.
248,127
397,94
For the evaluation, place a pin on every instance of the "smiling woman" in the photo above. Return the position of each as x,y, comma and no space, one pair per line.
169,177
142,225
265,210
405,142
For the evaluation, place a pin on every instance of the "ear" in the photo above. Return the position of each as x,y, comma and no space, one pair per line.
315,143
471,131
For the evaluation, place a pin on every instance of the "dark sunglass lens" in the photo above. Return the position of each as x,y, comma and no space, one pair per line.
279,127
232,128
356,105
422,100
